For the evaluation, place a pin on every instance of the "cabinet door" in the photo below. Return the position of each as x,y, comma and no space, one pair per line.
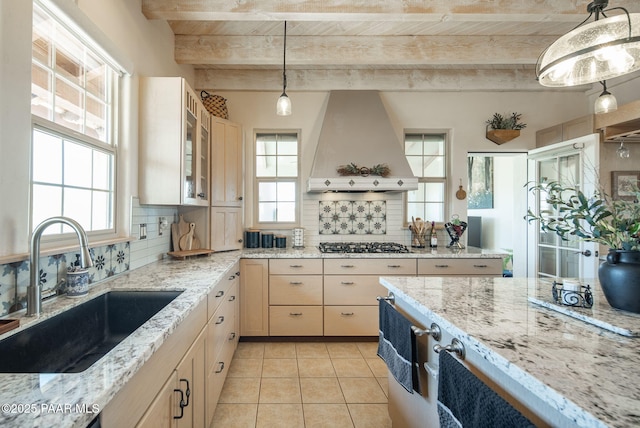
191,381
226,189
254,297
163,409
204,157
226,228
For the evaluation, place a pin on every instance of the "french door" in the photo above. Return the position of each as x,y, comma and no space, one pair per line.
572,163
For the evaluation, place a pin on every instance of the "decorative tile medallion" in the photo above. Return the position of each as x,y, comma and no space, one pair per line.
353,218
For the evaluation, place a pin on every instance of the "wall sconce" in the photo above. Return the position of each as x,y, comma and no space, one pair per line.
598,51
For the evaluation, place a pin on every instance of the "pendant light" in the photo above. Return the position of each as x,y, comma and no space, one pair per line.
622,151
597,51
605,102
283,106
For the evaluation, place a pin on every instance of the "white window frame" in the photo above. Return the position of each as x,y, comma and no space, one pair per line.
110,146
258,180
444,180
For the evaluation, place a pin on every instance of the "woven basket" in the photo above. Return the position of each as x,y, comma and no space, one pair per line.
215,104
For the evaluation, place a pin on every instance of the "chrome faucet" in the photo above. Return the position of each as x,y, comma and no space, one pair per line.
34,290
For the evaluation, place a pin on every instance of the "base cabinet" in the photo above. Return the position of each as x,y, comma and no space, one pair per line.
254,297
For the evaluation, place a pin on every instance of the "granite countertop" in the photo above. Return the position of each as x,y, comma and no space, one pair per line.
587,373
46,400
313,252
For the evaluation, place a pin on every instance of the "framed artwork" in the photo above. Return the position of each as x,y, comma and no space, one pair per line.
623,184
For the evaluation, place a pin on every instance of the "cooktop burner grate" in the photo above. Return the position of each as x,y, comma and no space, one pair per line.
362,247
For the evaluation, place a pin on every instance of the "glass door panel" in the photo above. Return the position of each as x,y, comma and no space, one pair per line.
189,166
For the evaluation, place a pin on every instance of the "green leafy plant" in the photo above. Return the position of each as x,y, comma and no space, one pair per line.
499,121
599,219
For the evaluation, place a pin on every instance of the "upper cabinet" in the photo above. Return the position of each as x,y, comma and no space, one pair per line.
566,131
226,171
174,146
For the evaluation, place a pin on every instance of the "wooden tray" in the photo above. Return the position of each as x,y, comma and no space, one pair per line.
181,255
8,325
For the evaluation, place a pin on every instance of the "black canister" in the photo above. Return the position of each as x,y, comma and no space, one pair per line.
267,240
252,238
281,241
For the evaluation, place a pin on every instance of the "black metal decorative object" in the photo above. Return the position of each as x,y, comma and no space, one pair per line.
582,298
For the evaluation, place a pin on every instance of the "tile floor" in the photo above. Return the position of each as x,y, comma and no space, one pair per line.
308,384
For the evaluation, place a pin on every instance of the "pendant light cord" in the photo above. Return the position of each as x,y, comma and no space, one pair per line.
284,61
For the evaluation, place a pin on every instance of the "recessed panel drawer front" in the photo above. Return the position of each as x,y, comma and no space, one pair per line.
382,266
352,289
295,266
295,290
351,321
295,320
438,267
221,291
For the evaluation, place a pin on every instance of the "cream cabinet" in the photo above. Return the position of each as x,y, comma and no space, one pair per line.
226,228
460,267
565,131
222,337
174,144
254,297
295,297
226,167
350,290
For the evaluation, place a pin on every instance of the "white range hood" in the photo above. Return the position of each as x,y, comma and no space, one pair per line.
357,129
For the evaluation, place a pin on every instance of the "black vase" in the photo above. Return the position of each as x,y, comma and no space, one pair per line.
620,279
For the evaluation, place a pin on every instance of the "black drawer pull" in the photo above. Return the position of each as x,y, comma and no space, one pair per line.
232,335
232,277
295,282
296,266
480,266
394,266
295,314
220,293
346,314
221,365
442,266
347,282
181,404
231,299
347,266
220,320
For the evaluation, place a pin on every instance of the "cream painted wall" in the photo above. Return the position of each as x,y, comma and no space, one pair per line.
148,45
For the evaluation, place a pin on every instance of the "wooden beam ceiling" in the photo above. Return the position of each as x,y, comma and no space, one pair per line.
368,44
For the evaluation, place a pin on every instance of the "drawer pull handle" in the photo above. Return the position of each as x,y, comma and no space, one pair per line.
232,335
221,365
480,266
220,320
180,403
232,277
220,293
442,266
295,282
394,266
231,299
346,314
295,266
187,392
347,282
295,314
347,266
456,347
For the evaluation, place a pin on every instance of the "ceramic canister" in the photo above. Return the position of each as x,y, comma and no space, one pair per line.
267,240
77,283
281,241
252,238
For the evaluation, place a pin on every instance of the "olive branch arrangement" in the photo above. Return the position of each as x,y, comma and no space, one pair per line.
352,169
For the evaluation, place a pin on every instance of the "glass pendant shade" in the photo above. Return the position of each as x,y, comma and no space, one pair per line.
283,106
605,103
593,52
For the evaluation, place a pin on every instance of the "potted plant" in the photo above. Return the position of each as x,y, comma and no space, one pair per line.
504,128
600,219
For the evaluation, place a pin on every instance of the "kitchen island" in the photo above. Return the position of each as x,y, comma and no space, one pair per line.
564,370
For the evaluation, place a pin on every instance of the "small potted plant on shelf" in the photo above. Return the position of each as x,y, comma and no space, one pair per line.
504,128
600,219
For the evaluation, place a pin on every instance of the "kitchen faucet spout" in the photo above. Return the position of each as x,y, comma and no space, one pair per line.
34,290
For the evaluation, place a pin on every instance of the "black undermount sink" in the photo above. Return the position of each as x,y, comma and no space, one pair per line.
72,341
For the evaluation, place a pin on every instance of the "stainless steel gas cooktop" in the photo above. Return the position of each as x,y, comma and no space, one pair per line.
362,247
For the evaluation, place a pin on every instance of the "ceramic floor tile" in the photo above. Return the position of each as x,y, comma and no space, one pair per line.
249,350
321,390
384,384
235,415
279,367
362,390
351,367
368,349
370,415
327,416
280,416
377,366
245,367
279,350
315,367
280,390
311,350
343,350
240,390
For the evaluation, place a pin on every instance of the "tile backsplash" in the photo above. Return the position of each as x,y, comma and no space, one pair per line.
347,217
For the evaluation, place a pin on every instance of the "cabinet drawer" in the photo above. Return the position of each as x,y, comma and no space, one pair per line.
221,325
295,290
389,267
295,320
217,376
352,289
351,321
221,291
440,267
295,266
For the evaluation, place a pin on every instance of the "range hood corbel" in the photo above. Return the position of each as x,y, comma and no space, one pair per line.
356,128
